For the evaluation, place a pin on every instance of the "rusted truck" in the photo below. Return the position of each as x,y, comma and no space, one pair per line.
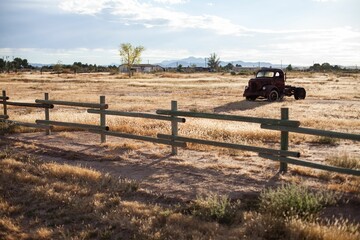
269,83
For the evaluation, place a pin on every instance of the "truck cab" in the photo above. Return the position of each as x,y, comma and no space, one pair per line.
269,83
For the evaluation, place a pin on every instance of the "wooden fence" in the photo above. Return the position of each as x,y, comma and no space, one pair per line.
284,125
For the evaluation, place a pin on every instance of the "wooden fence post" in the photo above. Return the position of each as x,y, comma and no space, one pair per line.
174,126
47,113
102,118
284,139
4,102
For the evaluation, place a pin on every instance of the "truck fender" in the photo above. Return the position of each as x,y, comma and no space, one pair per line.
269,88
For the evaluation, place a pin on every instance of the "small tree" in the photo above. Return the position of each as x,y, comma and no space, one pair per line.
77,67
130,55
326,66
229,67
17,63
58,67
179,68
289,68
25,63
214,62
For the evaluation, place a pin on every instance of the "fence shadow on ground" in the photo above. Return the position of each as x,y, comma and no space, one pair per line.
241,105
167,176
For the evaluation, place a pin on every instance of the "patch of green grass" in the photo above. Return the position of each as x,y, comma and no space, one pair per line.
292,200
214,207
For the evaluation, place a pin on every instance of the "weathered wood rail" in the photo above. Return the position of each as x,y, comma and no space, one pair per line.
284,125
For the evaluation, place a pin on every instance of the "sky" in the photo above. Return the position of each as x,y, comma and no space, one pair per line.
297,32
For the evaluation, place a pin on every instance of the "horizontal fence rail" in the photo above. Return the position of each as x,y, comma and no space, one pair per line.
316,132
76,125
22,104
31,125
230,145
136,115
73,104
4,98
4,116
304,163
142,138
230,118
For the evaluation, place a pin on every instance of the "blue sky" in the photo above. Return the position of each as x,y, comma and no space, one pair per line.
298,32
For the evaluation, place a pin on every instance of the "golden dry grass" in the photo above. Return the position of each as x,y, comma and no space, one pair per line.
58,201
40,200
332,103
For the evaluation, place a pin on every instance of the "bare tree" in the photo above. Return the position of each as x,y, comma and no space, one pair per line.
130,55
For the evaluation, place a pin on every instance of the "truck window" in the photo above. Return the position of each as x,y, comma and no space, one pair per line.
265,74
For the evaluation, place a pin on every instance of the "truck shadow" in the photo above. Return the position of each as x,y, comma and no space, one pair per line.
241,105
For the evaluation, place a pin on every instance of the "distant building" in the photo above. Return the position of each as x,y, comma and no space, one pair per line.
141,68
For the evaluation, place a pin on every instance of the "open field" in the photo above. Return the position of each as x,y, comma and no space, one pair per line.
164,181
332,103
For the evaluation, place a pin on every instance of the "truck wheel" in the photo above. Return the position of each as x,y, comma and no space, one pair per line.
252,98
273,96
299,93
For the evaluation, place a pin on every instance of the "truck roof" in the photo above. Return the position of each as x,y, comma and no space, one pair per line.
271,70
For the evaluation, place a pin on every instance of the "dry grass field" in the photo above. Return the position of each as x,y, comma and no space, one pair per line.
66,186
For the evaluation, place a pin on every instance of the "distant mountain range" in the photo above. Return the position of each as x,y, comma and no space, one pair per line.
202,62
190,61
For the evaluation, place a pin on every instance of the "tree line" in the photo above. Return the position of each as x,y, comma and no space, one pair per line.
78,67
14,65
18,64
325,67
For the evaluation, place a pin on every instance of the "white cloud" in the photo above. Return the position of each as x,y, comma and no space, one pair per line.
149,15
337,46
83,6
172,1
158,55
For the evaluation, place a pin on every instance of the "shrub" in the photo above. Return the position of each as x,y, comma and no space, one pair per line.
215,208
292,200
